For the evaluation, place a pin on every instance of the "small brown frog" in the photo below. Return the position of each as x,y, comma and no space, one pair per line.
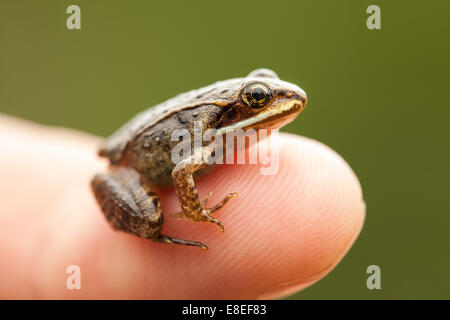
140,152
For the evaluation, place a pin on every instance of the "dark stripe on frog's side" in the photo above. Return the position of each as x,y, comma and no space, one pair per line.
168,115
113,147
149,152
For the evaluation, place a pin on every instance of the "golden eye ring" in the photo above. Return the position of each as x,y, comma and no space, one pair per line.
256,95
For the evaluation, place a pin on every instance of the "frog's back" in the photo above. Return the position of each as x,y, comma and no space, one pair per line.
114,146
218,93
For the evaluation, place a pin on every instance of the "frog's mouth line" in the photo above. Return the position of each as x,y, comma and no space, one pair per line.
276,115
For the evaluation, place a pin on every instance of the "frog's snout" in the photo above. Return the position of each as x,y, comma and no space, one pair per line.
299,96
304,99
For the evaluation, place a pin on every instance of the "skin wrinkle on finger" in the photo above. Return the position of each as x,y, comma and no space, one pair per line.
290,287
277,231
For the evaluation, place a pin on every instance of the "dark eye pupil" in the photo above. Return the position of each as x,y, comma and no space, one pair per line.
258,94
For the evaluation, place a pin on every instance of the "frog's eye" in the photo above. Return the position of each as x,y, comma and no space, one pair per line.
256,95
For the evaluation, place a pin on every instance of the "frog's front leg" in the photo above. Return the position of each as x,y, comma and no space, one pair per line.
131,205
187,194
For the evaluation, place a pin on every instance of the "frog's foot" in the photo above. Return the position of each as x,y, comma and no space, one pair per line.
172,240
204,215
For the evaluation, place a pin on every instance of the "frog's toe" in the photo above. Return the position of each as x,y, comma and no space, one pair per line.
219,223
222,203
207,218
205,200
172,240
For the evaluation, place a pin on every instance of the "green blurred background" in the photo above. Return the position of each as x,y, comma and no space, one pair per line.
378,97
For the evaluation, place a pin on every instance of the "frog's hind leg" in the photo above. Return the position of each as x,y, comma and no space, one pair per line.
132,206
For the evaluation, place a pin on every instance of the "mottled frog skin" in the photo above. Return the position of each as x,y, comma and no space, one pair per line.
140,152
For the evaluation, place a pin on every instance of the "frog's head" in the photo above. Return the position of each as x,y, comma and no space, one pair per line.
263,101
